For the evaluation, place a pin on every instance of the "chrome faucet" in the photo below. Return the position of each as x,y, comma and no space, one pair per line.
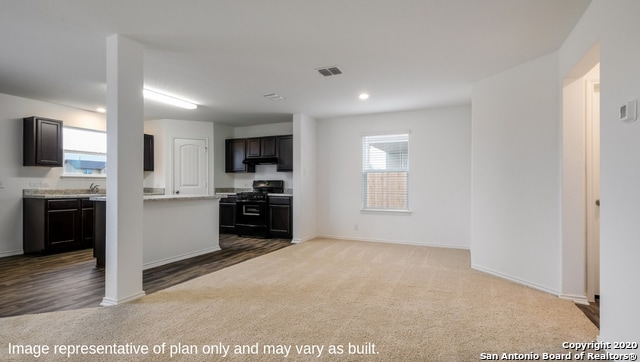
94,188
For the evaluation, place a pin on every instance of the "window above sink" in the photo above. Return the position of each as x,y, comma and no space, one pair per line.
85,152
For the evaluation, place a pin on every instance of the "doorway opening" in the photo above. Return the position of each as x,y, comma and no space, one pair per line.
580,179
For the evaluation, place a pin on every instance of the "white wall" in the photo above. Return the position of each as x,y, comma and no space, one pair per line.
165,131
263,130
515,227
14,177
615,25
516,198
439,181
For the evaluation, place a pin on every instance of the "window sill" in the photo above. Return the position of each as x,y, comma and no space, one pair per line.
83,177
385,211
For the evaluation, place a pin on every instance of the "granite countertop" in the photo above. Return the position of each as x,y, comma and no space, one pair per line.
77,193
167,197
60,194
180,197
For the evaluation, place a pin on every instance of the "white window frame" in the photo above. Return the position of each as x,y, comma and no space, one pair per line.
366,140
90,150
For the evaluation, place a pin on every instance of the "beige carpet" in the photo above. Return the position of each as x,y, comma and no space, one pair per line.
392,302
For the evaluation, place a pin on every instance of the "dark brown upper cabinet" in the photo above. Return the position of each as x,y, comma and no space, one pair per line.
148,152
261,147
285,153
42,144
235,152
242,154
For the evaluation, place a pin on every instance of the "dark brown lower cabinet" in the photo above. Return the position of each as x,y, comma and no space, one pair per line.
55,225
100,232
280,217
228,215
87,210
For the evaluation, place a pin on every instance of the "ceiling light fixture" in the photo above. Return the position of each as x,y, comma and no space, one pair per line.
101,110
364,96
164,98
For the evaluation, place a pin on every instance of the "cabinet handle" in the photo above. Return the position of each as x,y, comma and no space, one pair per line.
177,192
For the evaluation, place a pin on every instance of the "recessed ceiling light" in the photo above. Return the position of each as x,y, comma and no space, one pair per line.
164,98
101,110
364,96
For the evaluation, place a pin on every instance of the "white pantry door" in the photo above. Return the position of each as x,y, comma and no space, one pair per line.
190,166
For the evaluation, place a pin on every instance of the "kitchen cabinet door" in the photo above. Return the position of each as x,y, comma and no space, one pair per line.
268,147
62,229
253,147
55,225
42,142
87,230
261,147
280,217
228,215
285,153
235,151
148,153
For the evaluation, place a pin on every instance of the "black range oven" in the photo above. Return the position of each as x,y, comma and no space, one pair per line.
252,211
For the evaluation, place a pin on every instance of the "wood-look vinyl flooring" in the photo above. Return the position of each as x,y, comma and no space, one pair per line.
36,284
592,311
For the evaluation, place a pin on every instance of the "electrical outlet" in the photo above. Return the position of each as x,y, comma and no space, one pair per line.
34,184
355,227
44,184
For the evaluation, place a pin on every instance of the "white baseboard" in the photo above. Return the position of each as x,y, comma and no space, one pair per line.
11,253
402,242
154,264
108,302
578,299
298,240
516,280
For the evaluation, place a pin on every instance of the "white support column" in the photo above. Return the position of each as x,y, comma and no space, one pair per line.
124,228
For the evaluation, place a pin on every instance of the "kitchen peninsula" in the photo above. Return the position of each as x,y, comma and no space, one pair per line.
175,227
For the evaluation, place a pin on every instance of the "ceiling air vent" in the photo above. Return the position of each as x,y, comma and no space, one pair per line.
329,71
274,97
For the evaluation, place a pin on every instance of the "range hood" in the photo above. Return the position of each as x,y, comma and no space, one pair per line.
260,161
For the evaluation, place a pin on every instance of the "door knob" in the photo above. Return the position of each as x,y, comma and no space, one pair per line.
598,202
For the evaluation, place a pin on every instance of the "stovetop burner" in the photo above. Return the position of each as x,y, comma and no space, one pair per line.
251,196
260,190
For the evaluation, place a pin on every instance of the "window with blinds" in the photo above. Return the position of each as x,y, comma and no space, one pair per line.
385,172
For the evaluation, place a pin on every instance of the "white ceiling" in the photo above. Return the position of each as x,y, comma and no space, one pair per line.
226,54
